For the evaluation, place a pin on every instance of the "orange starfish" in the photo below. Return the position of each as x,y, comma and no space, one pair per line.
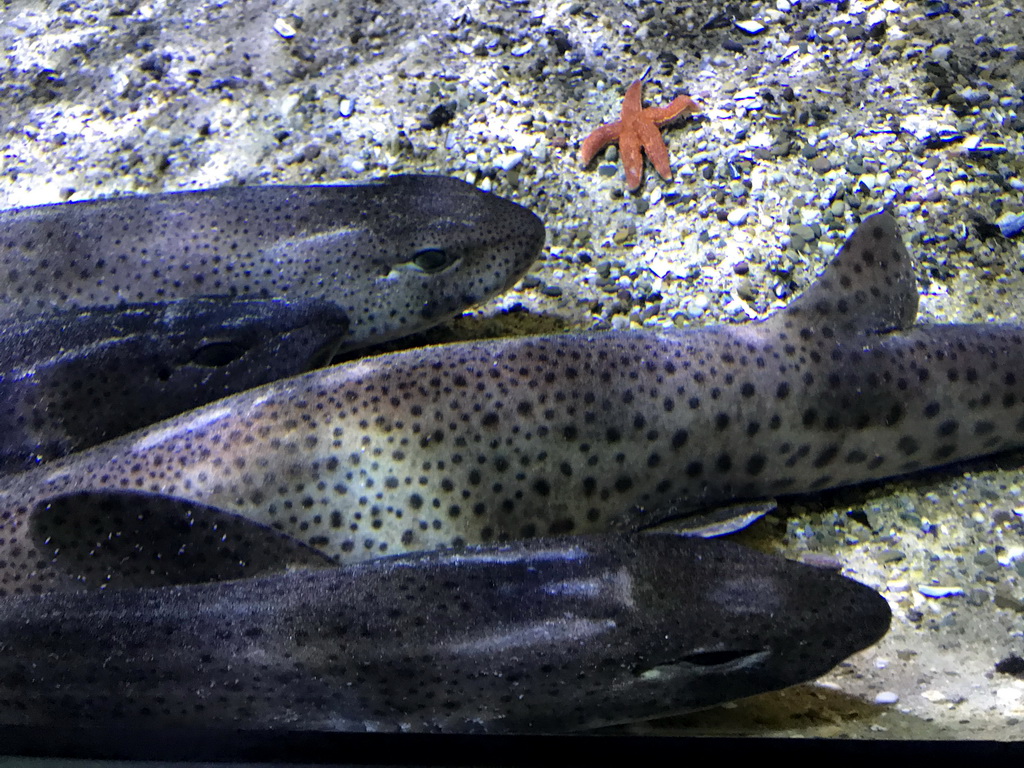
637,129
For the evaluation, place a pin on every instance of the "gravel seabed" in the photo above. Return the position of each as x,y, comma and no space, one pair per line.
815,113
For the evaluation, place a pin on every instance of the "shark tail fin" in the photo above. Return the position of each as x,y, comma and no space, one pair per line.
868,288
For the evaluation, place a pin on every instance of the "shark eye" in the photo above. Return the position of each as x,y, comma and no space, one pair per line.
432,260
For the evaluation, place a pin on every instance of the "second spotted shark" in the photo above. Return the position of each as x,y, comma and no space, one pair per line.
493,440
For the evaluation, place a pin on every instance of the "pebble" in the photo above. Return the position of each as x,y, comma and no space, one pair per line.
623,235
750,26
1006,601
1011,225
530,281
745,290
509,161
937,592
284,29
695,308
803,232
738,216
886,697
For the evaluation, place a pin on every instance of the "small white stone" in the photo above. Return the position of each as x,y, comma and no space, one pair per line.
750,26
693,310
289,102
738,216
887,697
972,142
509,161
284,29
937,591
661,267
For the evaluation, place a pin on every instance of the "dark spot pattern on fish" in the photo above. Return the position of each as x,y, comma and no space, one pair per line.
371,457
396,255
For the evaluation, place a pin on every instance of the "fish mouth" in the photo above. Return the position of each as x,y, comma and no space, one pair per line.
706,662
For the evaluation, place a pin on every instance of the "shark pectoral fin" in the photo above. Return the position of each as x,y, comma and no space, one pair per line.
719,521
868,288
136,539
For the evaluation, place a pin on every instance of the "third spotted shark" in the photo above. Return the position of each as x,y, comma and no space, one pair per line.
492,440
541,636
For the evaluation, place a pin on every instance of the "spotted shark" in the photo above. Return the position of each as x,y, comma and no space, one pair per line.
396,255
72,379
539,636
493,440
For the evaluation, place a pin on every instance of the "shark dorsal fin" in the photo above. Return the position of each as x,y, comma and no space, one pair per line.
868,288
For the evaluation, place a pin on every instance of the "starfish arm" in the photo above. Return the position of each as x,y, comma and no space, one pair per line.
678,107
631,101
649,136
632,159
598,140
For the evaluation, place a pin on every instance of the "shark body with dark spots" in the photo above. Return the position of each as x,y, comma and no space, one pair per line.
493,440
72,379
542,636
396,255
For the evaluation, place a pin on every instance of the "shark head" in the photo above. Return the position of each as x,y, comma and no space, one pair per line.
659,624
728,622
418,249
